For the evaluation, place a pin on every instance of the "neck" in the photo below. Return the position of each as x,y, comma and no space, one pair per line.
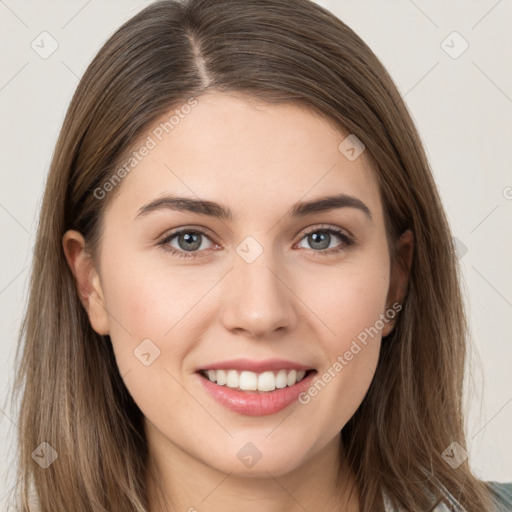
178,481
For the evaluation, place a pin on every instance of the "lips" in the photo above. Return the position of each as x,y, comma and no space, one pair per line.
256,366
270,385
257,403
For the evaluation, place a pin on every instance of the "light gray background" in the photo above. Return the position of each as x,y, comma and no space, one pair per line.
462,108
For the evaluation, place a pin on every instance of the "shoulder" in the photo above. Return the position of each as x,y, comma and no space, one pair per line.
501,492
503,495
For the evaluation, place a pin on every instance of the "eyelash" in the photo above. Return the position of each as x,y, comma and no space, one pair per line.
347,241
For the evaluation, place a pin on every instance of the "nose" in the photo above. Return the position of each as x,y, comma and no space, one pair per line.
257,299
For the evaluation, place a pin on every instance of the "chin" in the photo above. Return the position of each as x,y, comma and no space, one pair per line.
276,463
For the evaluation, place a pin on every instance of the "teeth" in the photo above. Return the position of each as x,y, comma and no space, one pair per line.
232,379
266,381
281,379
221,377
250,381
292,378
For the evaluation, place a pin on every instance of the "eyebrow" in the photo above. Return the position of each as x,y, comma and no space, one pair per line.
213,209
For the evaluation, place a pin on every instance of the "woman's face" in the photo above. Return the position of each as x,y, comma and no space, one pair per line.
267,282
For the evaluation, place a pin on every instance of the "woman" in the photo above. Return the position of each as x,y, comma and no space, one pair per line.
188,345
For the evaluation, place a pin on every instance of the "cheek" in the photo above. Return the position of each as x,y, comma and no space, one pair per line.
148,301
352,307
350,299
152,329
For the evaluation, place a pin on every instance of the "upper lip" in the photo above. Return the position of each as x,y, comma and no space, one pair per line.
256,366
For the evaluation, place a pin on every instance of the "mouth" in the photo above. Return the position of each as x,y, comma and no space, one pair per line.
256,394
252,382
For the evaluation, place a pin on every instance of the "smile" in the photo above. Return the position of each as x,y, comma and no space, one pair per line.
251,381
269,392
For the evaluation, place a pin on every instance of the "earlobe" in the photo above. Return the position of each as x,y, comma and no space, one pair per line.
399,279
87,280
97,310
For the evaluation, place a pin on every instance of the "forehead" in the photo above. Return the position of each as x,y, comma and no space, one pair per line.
253,156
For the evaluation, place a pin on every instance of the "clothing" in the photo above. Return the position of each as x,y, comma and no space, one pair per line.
502,493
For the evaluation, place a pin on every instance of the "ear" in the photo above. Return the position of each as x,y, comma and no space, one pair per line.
400,269
86,279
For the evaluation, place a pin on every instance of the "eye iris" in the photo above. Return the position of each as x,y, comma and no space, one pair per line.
314,239
190,238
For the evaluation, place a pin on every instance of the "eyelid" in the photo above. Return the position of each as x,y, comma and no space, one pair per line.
192,228
327,227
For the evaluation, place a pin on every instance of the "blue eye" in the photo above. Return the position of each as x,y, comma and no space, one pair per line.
190,241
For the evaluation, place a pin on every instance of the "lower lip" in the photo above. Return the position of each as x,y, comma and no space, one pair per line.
257,403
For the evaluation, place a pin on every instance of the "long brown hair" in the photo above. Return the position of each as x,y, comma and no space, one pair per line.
72,395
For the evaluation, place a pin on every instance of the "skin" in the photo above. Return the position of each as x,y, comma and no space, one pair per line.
292,302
